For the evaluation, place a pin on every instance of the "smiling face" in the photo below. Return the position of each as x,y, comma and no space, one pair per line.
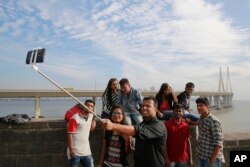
148,109
189,90
114,86
90,106
202,109
178,113
167,91
126,88
117,115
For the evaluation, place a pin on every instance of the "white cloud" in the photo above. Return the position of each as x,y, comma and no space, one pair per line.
154,41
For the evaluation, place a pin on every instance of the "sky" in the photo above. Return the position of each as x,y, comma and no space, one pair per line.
149,42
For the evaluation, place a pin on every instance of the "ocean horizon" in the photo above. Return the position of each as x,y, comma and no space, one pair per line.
233,119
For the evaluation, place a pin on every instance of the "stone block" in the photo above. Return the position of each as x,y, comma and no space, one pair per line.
51,135
56,147
17,149
8,136
4,149
45,160
244,143
36,148
22,126
7,161
26,161
60,161
40,125
58,124
27,135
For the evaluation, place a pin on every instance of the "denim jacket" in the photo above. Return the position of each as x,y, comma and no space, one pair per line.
131,102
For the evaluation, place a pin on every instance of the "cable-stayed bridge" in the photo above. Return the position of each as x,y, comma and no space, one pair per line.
218,99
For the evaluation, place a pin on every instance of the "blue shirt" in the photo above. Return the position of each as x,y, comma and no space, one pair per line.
131,102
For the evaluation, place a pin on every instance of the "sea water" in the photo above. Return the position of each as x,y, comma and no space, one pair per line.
233,119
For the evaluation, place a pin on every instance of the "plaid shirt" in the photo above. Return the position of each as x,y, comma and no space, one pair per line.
210,134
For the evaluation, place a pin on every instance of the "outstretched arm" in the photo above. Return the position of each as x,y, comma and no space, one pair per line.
124,129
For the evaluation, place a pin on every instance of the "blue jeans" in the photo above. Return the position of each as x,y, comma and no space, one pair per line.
205,163
86,161
133,118
167,114
192,117
178,164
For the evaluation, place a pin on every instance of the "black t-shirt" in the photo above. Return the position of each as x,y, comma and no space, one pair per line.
150,144
183,99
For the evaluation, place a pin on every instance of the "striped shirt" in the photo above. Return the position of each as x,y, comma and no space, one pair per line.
210,134
108,103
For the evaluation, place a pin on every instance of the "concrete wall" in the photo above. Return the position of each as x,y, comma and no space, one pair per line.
42,143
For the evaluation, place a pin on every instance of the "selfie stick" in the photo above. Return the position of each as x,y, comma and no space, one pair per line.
37,70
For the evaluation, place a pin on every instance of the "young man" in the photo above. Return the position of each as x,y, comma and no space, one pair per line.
210,141
184,99
178,146
130,99
150,136
79,126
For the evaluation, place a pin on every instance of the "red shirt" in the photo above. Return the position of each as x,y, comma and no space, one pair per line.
177,137
164,105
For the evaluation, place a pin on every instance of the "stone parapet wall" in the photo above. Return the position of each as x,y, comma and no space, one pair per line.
42,143
35,144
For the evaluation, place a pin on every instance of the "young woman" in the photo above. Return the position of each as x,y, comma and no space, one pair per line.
109,97
116,146
166,98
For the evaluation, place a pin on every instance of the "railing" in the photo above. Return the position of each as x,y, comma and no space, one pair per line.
215,98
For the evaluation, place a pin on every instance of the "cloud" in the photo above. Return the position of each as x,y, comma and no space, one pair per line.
152,41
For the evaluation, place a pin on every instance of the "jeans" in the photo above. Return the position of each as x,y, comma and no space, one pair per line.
178,164
133,118
205,163
86,161
130,119
192,117
167,114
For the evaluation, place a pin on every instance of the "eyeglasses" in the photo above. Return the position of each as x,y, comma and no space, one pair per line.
116,113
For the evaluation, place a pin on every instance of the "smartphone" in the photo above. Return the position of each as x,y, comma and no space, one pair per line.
35,56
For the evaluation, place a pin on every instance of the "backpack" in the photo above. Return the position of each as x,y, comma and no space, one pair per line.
16,119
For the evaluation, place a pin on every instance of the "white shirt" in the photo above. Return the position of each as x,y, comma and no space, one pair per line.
80,128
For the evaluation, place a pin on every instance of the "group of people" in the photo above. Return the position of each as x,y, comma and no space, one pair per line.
156,128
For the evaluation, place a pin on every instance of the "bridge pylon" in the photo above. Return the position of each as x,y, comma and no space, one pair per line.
225,100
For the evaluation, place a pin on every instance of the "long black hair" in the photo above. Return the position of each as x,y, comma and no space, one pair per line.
108,91
160,94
